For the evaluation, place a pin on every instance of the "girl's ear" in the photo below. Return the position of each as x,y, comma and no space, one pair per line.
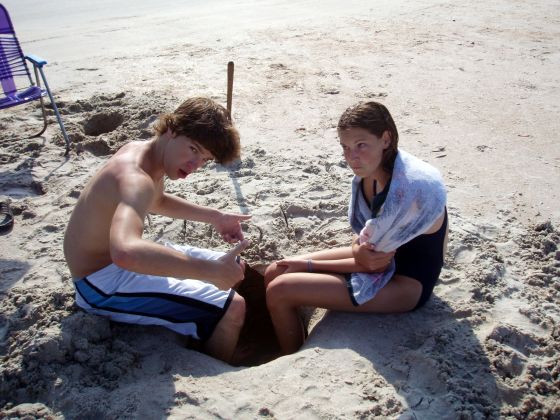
386,139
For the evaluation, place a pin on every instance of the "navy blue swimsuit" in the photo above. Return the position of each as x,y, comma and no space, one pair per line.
421,258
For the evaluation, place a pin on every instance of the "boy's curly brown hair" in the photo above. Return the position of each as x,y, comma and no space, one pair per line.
206,122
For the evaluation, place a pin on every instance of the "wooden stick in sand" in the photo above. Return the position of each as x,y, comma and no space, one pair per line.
229,86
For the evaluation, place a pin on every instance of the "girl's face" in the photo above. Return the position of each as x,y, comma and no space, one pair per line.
363,151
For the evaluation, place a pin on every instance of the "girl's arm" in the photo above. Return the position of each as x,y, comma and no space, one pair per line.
345,265
368,258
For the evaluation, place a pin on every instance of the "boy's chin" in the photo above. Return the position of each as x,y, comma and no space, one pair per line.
180,174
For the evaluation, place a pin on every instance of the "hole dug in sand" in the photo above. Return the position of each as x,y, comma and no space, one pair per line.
257,342
102,123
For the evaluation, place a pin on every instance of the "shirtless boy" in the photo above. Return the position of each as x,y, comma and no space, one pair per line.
126,278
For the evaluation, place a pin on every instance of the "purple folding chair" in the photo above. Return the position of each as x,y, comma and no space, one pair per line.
17,84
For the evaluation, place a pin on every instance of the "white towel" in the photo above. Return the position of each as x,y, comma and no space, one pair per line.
415,200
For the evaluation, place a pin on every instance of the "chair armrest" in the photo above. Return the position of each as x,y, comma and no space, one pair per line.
37,61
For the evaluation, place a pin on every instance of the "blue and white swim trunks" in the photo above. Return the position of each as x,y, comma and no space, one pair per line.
188,307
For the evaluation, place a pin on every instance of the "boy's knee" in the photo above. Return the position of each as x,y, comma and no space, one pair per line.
235,314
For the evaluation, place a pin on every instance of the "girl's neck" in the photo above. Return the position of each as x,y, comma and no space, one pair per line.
379,179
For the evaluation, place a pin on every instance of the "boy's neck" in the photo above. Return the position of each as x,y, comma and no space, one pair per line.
155,156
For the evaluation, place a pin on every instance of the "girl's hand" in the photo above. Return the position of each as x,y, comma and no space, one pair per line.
293,265
372,260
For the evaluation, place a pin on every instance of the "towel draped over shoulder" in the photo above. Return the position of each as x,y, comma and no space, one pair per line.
415,200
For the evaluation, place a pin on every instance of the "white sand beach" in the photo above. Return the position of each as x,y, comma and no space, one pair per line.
474,89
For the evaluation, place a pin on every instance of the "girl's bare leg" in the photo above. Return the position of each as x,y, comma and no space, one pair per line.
287,322
287,292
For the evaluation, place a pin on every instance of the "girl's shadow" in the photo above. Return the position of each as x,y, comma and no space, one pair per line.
433,359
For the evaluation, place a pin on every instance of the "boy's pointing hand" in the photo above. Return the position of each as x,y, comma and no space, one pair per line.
229,226
232,268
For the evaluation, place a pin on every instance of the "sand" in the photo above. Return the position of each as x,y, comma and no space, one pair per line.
474,90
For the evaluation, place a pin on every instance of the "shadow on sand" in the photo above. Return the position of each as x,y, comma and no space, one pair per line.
433,360
85,366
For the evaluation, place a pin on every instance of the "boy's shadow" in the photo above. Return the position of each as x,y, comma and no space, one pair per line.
433,360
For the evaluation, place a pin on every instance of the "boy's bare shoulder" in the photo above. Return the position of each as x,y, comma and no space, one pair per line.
124,170
130,151
128,167
128,159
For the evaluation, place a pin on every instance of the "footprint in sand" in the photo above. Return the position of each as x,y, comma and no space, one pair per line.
512,337
463,254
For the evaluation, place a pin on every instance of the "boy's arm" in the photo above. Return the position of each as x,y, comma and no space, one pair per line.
130,251
227,224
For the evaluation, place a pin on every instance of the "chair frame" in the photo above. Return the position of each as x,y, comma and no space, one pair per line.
9,41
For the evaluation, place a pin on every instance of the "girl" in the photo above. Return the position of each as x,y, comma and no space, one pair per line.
397,212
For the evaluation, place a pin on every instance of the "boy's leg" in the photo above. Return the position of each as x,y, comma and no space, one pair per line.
223,340
189,307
